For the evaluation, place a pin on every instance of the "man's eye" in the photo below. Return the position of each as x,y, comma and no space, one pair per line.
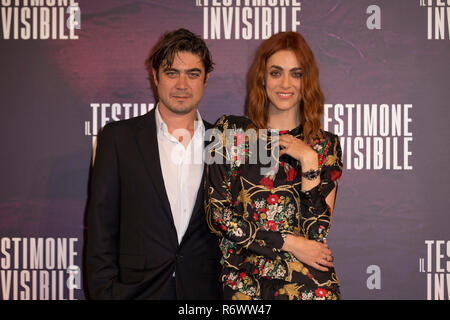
194,75
171,74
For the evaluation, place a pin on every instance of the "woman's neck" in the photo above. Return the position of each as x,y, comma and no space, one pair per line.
283,119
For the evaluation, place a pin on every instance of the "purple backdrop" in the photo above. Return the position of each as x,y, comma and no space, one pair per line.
390,226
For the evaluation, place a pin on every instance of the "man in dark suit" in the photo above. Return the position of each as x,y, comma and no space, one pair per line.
147,234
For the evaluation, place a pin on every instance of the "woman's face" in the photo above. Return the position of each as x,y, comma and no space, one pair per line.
283,80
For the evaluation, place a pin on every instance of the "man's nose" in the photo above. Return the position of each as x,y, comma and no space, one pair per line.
182,82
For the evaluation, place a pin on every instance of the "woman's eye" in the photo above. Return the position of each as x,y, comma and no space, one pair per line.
297,74
275,73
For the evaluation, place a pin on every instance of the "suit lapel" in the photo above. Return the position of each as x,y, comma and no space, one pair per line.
148,145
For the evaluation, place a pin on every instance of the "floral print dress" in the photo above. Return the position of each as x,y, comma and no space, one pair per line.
250,212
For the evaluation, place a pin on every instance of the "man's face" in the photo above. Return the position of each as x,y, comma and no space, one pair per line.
180,86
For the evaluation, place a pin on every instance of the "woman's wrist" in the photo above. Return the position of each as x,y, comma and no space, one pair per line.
287,242
290,242
310,161
310,172
309,164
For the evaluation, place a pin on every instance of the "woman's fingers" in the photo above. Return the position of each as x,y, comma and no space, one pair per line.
327,252
285,140
325,249
285,151
318,267
285,148
283,144
326,263
315,254
324,256
322,264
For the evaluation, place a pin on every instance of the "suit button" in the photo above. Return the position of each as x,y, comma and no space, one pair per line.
179,257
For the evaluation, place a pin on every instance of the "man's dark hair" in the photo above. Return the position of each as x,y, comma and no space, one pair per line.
170,44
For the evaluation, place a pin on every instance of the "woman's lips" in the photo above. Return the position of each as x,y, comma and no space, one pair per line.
285,95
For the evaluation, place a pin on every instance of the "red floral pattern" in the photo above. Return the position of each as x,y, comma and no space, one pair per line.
320,292
291,174
266,182
335,174
272,199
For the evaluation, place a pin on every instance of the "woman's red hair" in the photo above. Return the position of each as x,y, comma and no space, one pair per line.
312,99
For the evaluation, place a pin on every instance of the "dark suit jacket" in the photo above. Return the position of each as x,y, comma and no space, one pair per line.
132,248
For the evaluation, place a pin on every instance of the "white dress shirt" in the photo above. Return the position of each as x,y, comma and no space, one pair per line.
182,169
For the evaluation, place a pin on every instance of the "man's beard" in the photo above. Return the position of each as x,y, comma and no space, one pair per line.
179,108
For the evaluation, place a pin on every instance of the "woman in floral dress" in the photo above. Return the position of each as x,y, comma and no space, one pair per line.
273,217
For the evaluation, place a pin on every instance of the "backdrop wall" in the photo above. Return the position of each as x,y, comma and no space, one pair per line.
68,67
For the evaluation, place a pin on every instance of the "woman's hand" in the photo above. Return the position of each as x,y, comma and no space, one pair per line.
303,153
311,252
297,149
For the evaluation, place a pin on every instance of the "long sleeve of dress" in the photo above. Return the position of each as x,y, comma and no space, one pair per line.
315,212
226,206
